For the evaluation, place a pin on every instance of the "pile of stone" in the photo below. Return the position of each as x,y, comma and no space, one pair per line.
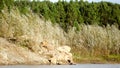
56,55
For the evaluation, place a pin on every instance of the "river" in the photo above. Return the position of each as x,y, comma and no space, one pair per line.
65,66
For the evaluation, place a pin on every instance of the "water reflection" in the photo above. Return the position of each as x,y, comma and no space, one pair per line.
65,66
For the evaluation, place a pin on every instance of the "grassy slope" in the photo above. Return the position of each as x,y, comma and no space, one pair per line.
95,43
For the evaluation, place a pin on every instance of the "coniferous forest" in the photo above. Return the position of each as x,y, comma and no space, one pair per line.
69,14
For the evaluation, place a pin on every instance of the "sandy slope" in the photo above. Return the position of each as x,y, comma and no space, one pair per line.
14,54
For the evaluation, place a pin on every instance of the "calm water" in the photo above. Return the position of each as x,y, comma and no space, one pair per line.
65,66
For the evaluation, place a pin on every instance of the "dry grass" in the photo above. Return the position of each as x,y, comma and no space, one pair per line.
95,41
29,30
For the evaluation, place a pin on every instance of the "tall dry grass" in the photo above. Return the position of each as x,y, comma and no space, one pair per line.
94,40
29,30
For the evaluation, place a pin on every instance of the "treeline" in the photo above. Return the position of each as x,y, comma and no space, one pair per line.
69,14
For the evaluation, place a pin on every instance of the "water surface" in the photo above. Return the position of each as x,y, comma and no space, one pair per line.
65,66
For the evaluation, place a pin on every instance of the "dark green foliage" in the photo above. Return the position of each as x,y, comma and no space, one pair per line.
8,3
69,14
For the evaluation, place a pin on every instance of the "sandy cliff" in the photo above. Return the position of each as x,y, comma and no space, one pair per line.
45,54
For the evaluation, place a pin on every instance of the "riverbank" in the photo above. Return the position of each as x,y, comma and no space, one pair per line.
96,60
21,36
11,54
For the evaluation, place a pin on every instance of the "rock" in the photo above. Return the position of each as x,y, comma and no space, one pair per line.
47,46
62,55
44,53
64,49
